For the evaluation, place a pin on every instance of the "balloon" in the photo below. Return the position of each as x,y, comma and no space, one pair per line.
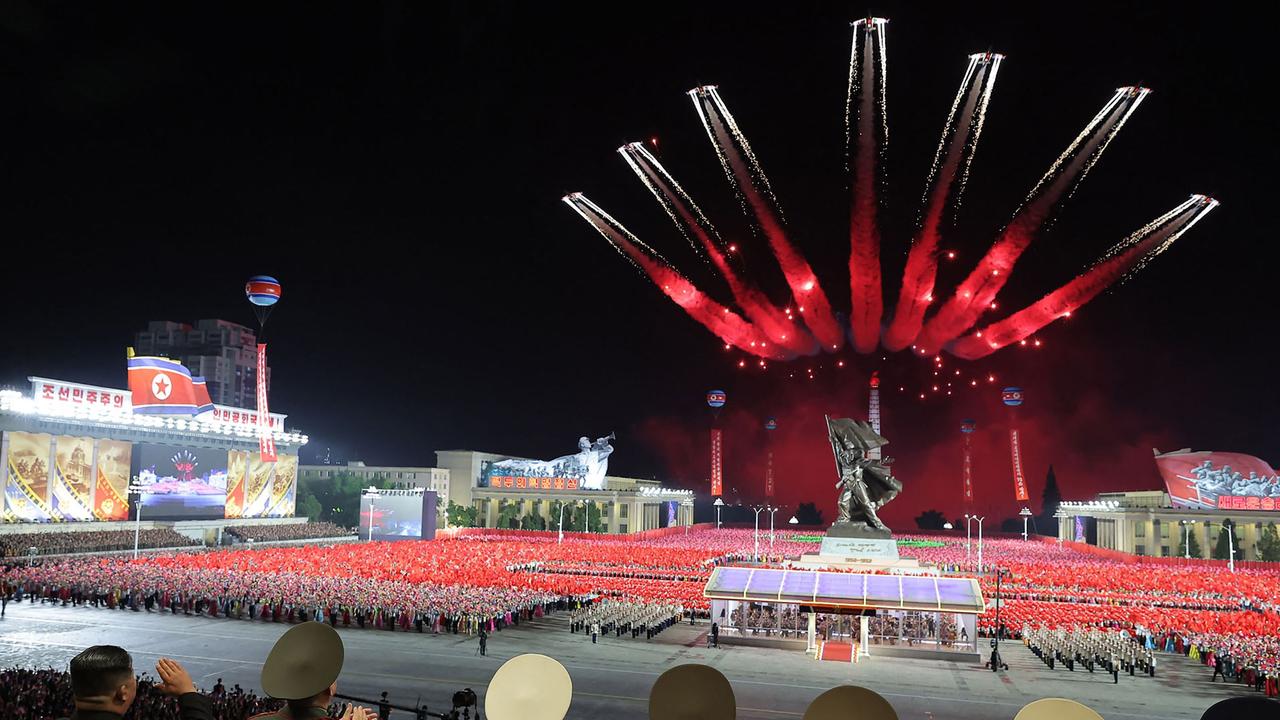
771,424
262,290
1011,396
716,398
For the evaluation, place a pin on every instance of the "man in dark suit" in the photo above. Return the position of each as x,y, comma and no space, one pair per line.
103,685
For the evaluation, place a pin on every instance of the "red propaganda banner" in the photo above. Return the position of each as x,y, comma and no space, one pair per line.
1019,480
266,441
1219,481
768,474
968,469
717,471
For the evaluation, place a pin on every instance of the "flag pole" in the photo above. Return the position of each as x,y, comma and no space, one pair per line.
831,438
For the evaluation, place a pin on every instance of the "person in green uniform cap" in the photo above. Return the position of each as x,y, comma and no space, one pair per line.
302,669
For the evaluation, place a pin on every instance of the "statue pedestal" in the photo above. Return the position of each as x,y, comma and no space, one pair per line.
860,549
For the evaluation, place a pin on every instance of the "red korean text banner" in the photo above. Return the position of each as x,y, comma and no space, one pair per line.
1219,481
1019,480
266,440
717,462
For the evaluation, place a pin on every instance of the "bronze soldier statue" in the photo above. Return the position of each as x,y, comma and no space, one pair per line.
866,485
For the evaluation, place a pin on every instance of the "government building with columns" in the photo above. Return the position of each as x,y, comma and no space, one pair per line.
1146,523
626,505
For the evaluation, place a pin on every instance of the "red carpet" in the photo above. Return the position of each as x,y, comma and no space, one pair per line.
837,651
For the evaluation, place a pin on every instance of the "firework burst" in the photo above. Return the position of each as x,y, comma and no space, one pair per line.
771,331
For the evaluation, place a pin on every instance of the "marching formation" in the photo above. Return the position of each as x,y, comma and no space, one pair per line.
1113,652
622,617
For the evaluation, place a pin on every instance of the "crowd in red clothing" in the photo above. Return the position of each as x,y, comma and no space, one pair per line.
486,577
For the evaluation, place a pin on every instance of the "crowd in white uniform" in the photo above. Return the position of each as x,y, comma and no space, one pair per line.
619,618
1113,652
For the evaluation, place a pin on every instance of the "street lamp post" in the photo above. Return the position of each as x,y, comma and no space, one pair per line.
968,538
373,494
755,556
969,519
1026,514
1186,538
1231,547
136,488
560,537
996,661
980,543
772,511
719,504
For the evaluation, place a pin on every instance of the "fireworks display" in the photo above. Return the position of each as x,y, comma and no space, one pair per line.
865,142
770,330
953,158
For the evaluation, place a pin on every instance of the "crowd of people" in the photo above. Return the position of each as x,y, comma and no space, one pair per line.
46,694
292,531
13,545
486,580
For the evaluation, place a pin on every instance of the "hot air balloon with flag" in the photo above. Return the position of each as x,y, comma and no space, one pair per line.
263,292
1013,397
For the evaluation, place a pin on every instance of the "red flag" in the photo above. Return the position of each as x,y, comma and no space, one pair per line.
266,440
204,403
160,386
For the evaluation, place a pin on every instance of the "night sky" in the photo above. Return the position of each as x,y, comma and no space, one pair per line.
399,166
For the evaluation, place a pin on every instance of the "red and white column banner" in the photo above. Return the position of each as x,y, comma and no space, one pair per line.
717,466
266,441
1019,480
768,474
968,468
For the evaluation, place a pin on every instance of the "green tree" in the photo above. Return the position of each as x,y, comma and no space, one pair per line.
459,516
309,506
1221,550
1196,551
508,514
533,521
1269,544
809,514
1050,500
930,520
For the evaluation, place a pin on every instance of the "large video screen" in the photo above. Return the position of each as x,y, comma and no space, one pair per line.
181,483
1219,481
399,517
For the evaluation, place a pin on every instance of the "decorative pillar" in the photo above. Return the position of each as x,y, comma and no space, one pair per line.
811,644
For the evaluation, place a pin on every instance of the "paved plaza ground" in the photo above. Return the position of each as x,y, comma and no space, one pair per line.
611,679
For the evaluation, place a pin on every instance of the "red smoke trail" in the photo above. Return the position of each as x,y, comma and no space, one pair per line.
922,261
1126,257
980,288
776,326
745,173
866,296
720,320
